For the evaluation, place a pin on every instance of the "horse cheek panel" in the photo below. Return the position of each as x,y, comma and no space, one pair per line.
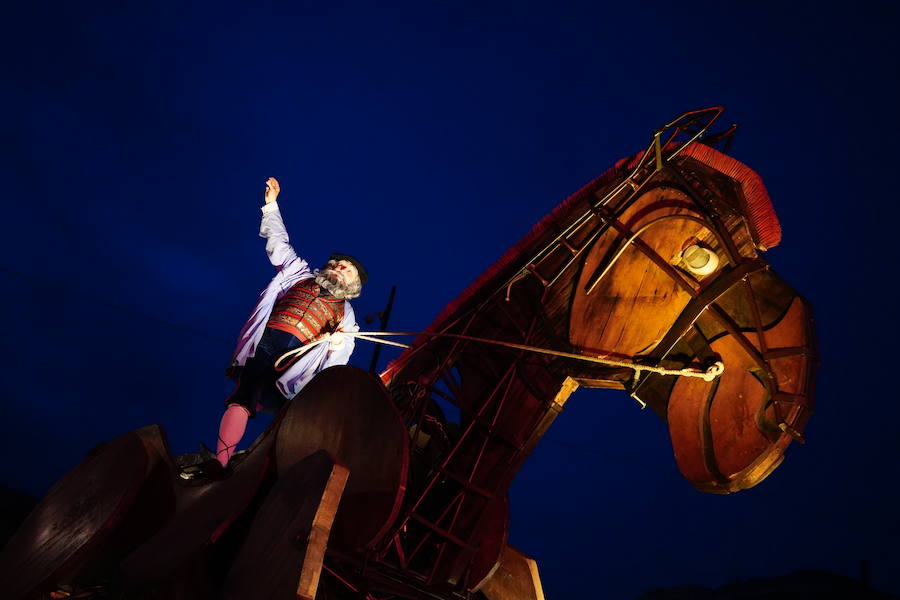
628,310
732,435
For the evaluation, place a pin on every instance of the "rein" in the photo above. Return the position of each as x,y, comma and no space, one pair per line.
708,374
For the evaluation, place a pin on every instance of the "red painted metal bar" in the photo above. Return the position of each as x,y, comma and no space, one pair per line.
436,523
455,448
441,532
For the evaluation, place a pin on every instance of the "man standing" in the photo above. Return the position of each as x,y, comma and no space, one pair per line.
297,308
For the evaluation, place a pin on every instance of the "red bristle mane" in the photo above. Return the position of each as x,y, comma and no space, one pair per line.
755,203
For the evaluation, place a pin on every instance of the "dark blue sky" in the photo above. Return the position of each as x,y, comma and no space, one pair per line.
427,140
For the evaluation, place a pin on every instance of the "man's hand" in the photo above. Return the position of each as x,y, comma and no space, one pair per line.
336,338
272,190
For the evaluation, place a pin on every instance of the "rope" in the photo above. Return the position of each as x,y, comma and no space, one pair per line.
709,374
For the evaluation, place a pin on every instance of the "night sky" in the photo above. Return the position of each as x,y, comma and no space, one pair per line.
427,140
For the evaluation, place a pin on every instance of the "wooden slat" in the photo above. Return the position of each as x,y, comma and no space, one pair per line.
515,578
318,537
282,555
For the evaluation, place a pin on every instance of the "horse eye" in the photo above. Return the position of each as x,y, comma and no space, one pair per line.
699,260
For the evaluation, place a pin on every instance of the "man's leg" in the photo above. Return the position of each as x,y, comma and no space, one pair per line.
241,406
231,430
255,390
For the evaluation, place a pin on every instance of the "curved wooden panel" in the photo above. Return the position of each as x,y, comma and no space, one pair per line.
731,433
347,412
203,512
741,421
76,517
634,302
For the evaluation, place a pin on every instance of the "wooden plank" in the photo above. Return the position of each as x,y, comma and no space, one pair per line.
282,555
321,528
515,578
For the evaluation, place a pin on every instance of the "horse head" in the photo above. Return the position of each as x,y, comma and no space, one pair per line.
649,279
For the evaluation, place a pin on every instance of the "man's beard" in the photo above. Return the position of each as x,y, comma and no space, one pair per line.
332,282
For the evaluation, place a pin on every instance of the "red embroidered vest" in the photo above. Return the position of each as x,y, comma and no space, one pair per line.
305,314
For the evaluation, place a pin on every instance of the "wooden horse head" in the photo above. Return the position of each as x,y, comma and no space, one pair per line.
656,263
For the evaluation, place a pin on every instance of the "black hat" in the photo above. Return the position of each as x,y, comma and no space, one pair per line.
363,276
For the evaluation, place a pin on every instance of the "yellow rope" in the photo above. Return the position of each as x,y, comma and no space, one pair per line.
708,374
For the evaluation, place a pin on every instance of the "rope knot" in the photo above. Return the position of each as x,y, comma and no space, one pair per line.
714,370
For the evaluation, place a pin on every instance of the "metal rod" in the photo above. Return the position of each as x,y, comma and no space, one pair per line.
385,315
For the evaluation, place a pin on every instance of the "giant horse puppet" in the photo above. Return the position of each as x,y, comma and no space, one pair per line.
363,487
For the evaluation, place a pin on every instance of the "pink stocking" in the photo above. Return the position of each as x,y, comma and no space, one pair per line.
231,430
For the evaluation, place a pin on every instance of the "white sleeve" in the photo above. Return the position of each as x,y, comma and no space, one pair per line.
340,355
278,248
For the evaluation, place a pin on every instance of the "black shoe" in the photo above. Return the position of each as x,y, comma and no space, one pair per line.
204,472
205,453
190,459
201,465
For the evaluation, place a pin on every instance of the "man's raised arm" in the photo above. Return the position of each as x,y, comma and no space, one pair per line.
272,228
